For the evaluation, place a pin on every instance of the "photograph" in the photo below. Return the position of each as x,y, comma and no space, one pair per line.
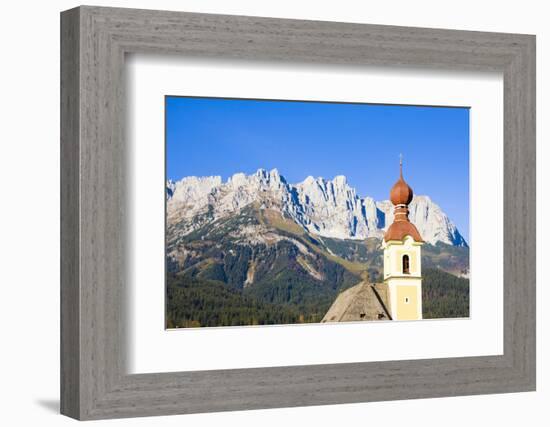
291,212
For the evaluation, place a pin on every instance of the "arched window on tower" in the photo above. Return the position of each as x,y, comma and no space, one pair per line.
406,268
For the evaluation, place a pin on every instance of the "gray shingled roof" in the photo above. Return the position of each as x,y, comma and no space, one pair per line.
365,301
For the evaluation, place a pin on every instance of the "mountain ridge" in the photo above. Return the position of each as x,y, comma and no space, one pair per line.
325,208
258,250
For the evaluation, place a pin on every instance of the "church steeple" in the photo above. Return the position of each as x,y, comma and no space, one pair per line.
401,193
402,256
401,196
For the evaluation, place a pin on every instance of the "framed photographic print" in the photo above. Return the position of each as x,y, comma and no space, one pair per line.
261,213
267,243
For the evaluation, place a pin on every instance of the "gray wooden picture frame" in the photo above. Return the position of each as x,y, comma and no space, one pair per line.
94,41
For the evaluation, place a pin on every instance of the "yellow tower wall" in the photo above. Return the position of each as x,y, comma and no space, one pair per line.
405,290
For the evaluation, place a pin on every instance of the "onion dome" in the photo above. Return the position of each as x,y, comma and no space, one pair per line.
401,195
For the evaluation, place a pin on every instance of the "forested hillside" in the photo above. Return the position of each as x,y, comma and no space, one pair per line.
194,302
444,295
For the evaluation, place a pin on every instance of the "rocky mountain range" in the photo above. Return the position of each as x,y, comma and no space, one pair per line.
325,208
259,250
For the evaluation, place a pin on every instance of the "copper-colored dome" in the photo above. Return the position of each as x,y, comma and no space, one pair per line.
401,193
400,229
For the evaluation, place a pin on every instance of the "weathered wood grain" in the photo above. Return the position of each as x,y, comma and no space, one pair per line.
70,220
94,383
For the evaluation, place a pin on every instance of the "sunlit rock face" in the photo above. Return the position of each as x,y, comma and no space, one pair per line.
326,208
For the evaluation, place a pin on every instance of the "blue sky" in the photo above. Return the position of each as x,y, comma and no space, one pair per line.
210,136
